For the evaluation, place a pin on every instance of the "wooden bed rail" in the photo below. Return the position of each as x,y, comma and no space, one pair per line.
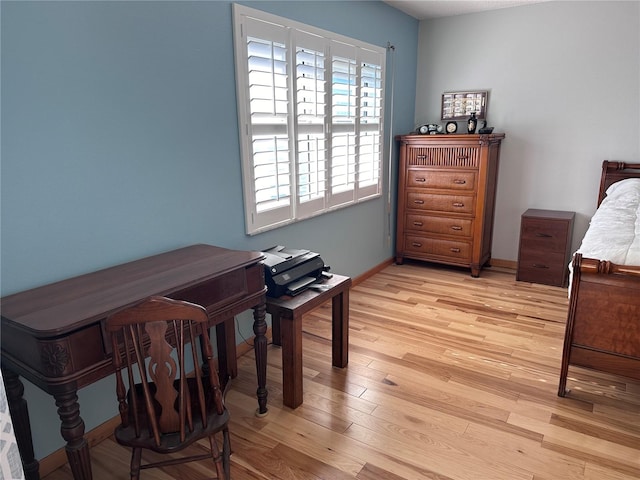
591,265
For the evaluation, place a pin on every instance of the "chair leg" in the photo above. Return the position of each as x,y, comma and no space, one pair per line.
226,453
217,457
136,458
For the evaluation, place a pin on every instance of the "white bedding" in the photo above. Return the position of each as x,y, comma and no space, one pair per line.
614,230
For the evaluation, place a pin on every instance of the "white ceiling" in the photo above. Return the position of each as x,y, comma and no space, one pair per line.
424,9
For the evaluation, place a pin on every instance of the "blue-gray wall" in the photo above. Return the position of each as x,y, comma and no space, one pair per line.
119,140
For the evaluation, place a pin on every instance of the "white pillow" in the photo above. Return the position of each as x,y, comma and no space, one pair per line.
624,187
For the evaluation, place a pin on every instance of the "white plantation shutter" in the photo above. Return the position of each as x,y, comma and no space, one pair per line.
310,94
370,133
310,110
267,151
344,96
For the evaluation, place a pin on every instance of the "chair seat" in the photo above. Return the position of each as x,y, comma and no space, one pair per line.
169,442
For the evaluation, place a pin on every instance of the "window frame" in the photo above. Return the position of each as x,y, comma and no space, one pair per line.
362,140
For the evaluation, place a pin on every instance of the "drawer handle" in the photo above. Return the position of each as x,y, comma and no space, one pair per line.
462,157
458,204
417,224
459,182
539,265
421,157
421,179
543,235
455,250
419,202
456,227
416,244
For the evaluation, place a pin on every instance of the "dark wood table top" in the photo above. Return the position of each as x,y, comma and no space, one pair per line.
69,304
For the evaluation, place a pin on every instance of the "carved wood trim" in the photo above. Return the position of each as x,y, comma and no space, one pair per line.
605,267
55,357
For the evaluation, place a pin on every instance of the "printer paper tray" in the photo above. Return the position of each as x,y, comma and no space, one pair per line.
300,285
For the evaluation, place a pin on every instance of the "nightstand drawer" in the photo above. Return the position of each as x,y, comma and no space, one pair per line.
542,260
549,235
539,274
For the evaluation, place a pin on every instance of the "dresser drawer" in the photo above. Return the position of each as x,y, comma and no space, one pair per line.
461,227
443,157
545,235
441,203
458,251
452,180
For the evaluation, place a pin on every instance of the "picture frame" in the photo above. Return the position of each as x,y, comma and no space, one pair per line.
460,105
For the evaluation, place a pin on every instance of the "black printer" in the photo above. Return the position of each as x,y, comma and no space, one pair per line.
291,271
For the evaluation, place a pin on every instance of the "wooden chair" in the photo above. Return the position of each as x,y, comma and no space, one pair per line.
167,409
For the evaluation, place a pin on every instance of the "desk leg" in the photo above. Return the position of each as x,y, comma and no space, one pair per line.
340,327
72,430
291,339
260,349
20,419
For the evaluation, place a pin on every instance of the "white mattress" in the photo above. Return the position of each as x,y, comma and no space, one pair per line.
614,230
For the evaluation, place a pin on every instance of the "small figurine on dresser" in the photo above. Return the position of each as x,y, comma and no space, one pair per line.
472,123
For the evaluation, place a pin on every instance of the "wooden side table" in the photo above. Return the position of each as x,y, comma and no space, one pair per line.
545,246
286,314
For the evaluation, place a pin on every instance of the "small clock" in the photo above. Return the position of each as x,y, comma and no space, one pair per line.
423,129
452,127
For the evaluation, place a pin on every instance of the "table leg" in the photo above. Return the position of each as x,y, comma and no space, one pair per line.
340,329
72,430
275,329
20,419
260,349
291,336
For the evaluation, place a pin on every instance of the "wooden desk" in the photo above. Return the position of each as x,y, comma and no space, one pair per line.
287,312
54,335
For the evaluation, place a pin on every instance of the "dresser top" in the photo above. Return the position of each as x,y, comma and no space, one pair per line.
449,138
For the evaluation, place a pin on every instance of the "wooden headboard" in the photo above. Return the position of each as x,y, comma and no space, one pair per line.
613,172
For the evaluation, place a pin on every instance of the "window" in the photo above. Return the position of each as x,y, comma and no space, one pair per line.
310,110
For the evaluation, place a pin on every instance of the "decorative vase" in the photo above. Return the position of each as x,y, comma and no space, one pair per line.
472,123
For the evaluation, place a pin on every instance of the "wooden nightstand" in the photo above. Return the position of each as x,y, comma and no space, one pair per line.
545,246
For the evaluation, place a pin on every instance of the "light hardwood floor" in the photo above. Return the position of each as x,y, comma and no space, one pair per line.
449,377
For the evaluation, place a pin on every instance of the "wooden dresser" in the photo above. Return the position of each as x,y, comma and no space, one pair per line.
545,247
446,198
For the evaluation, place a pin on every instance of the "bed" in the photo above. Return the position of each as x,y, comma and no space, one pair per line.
603,323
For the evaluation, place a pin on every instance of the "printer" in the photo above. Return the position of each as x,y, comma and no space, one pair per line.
291,271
